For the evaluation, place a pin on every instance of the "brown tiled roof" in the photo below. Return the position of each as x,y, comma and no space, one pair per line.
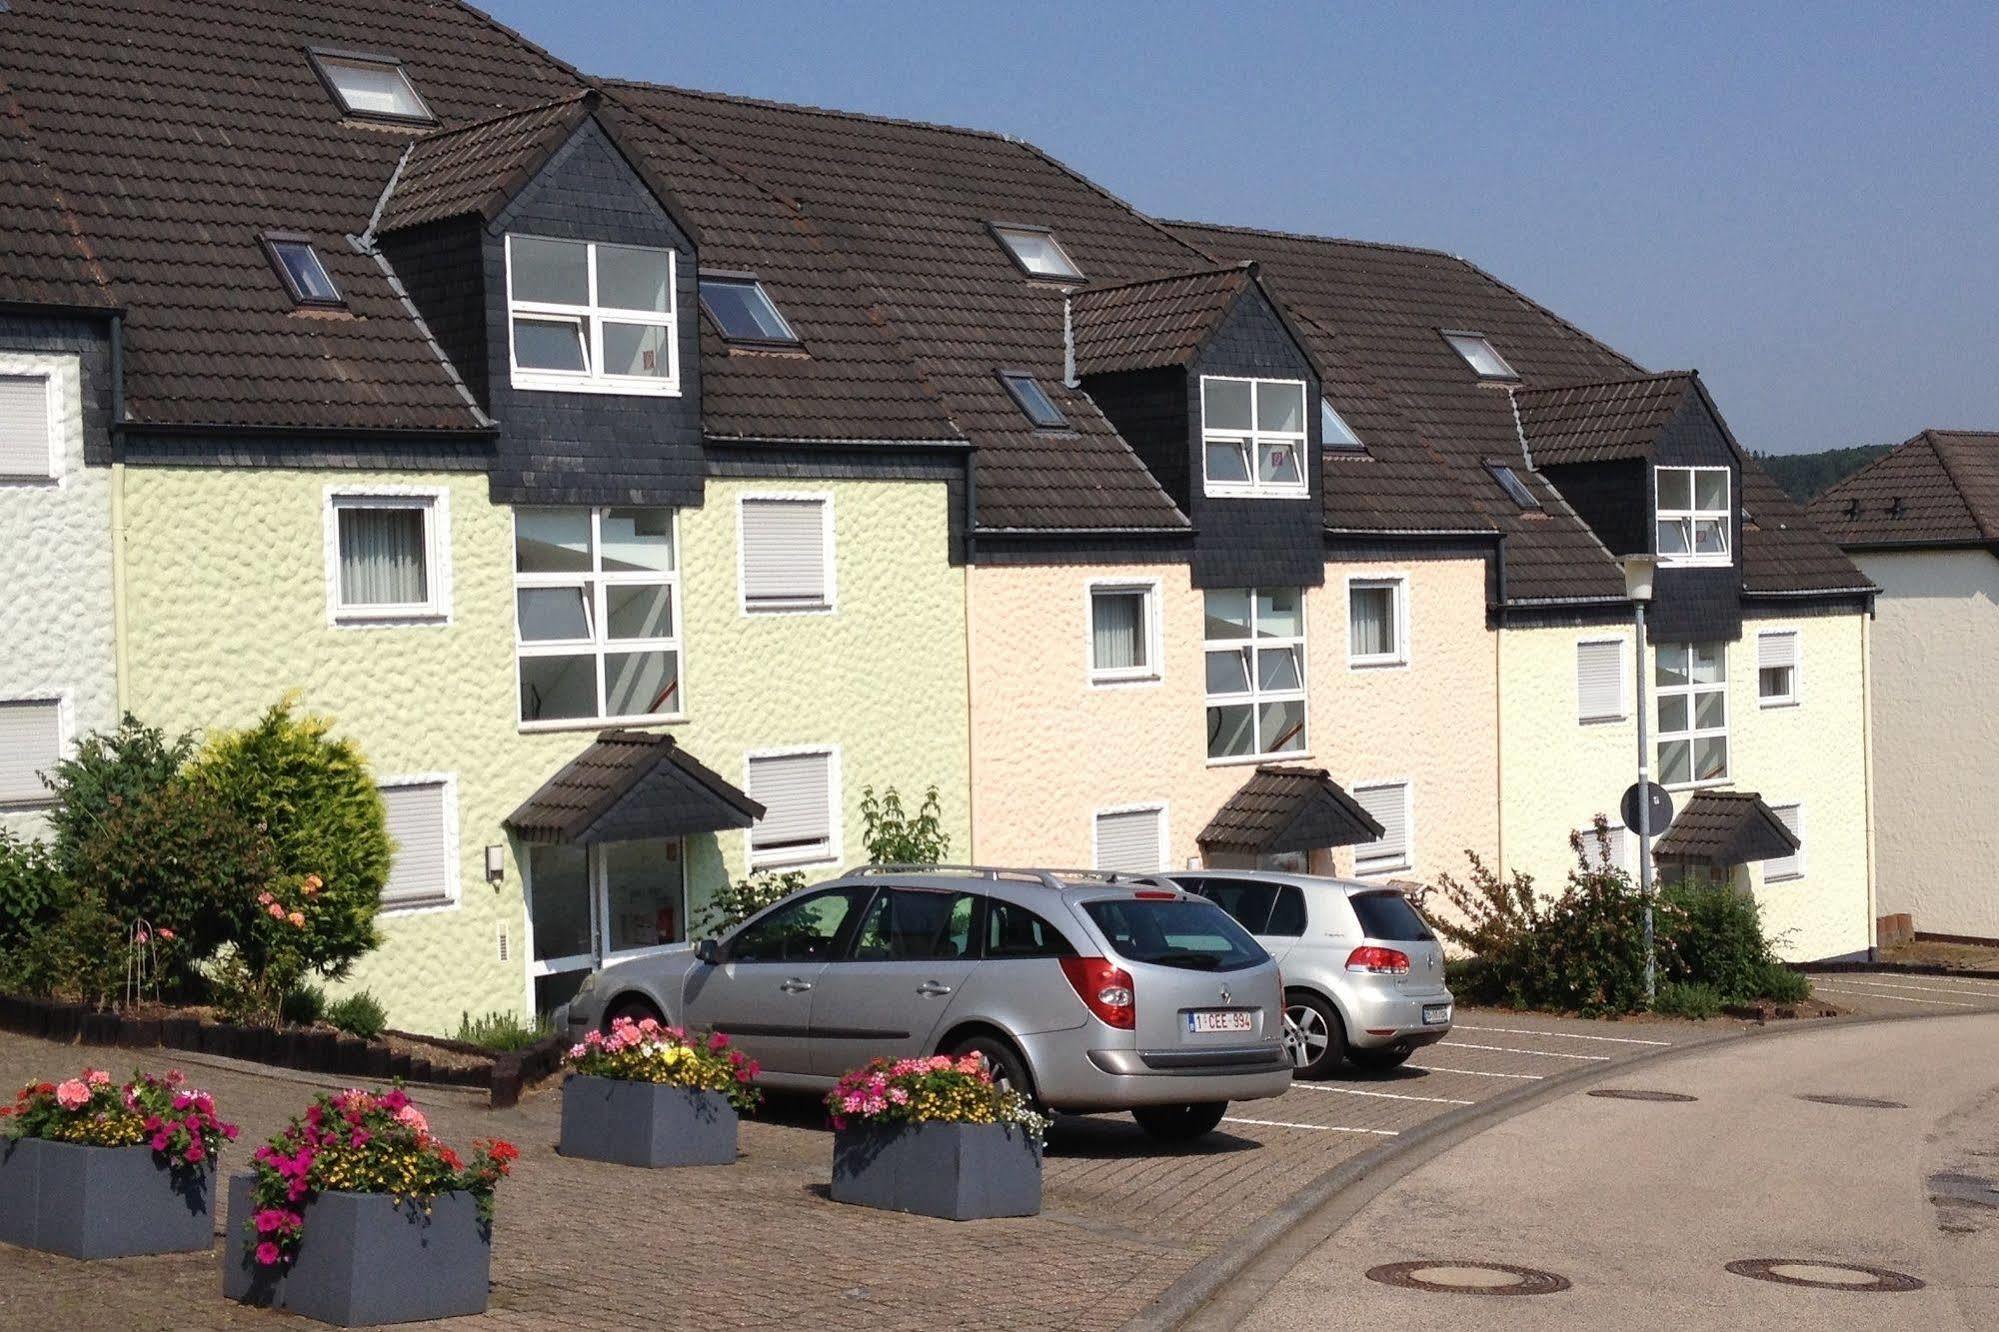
1940,488
477,168
1154,321
628,784
1725,828
1601,422
1288,809
44,259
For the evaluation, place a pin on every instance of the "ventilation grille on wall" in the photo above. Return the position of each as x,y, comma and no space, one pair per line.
506,945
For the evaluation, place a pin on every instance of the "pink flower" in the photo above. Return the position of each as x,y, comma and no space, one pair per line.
72,1095
166,934
194,1152
413,1117
297,918
268,1220
277,912
263,899
267,1254
97,1077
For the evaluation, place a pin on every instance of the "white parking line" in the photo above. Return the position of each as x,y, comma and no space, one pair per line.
1386,1096
1316,1128
1871,983
1898,998
1565,1035
1508,1049
1474,1073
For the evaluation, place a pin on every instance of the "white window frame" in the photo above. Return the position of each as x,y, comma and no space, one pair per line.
1144,807
594,581
1458,337
1798,859
836,816
592,379
1252,440
1693,516
1257,696
53,402
1364,870
1154,670
65,739
1796,695
434,502
1398,583
322,60
599,953
1691,692
826,604
1623,712
454,871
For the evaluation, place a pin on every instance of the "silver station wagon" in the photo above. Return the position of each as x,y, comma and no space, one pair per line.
1087,992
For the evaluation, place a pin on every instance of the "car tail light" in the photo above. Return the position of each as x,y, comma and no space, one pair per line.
1378,961
1154,895
1105,990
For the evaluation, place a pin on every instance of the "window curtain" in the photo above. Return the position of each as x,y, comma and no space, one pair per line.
1118,631
1373,622
381,558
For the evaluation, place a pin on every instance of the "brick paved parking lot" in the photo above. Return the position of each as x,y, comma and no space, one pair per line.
582,1244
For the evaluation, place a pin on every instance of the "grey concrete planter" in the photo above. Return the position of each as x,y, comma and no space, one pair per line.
102,1202
965,1172
646,1124
365,1258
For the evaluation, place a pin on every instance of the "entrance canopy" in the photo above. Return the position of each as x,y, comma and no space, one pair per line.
1287,809
1724,828
629,785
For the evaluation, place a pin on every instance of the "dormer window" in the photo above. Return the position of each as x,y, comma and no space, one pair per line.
743,311
1510,482
371,87
1033,400
1480,355
1693,515
1335,435
1037,252
1253,437
590,318
298,263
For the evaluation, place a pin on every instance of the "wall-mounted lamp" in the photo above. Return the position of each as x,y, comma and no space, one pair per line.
496,864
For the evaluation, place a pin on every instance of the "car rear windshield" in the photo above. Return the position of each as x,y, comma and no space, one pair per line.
1175,932
1388,915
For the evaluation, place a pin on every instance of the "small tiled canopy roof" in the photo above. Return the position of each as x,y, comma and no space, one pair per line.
628,785
1154,321
1604,422
1288,809
1726,828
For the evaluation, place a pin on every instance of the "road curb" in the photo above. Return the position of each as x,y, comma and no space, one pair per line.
1263,1253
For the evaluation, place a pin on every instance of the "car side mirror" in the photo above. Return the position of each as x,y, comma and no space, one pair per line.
709,952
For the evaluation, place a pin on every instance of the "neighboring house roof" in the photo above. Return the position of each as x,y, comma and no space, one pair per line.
1288,809
1153,322
1602,422
631,784
1726,828
1940,488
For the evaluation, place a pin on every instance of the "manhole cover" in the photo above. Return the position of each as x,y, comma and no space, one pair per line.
1638,1094
1457,1278
1859,1102
1823,1276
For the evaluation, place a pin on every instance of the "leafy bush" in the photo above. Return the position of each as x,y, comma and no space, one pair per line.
77,956
1718,940
32,891
109,770
895,837
359,1014
733,905
501,1032
1688,999
1779,983
303,1006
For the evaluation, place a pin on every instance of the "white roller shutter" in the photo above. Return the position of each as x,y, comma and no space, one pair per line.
1791,866
1617,843
30,744
796,791
1389,805
784,554
421,871
1129,841
1776,648
1599,681
24,426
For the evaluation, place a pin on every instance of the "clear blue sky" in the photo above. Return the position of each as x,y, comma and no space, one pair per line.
1800,201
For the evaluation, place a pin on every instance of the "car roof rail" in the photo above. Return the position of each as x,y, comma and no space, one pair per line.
1047,877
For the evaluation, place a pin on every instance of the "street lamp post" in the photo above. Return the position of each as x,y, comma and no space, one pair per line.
1638,571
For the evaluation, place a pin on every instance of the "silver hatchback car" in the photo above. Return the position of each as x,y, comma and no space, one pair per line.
1363,974
1087,992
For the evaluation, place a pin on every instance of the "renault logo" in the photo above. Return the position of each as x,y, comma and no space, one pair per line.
1226,996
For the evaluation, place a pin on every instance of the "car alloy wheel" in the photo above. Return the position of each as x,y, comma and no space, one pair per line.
1305,1035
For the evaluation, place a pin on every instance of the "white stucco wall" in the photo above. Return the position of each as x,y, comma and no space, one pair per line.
56,634
1936,737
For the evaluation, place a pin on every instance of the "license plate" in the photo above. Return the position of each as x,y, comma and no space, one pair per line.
1436,1015
1218,1019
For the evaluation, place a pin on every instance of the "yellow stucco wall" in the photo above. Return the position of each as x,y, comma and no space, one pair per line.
227,596
1050,749
1559,773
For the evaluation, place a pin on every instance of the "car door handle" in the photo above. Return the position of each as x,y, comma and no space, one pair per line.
795,986
933,987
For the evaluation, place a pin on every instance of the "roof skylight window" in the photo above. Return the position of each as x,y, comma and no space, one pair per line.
1480,355
1033,400
744,311
1335,435
1037,252
1510,482
299,265
376,87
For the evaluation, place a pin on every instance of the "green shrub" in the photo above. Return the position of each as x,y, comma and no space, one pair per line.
733,905
359,1014
109,770
894,836
501,1032
32,891
1718,938
303,1006
78,955
1779,983
1688,1000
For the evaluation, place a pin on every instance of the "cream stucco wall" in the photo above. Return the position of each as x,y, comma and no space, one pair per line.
1050,750
227,586
1936,737
56,632
1560,773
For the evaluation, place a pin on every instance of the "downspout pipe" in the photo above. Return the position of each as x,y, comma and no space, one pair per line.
120,638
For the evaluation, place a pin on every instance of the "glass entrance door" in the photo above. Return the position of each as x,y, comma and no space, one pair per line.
592,905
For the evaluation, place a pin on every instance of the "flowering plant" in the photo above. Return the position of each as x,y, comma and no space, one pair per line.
177,1121
645,1051
937,1090
361,1142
